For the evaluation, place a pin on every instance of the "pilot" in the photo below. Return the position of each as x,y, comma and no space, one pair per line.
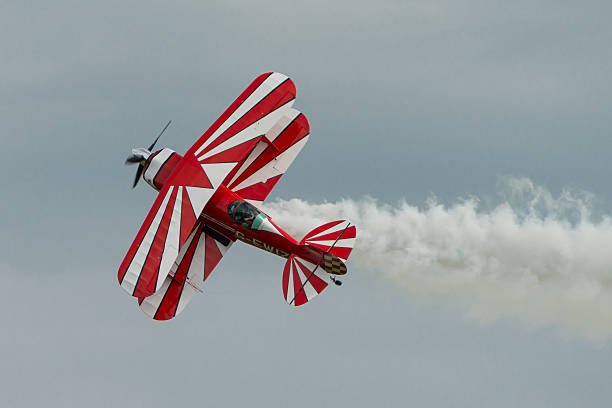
247,219
231,210
241,214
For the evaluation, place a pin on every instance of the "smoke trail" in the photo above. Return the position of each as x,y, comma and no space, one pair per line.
534,257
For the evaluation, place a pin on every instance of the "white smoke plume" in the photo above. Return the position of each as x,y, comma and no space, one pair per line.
535,257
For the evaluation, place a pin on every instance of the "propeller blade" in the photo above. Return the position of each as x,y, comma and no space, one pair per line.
138,174
133,159
139,155
158,136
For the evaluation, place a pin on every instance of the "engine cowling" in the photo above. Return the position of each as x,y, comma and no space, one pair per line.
159,166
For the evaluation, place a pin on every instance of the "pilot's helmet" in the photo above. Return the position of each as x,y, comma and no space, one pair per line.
232,207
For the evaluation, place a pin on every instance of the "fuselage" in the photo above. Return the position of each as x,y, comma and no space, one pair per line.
229,215
259,230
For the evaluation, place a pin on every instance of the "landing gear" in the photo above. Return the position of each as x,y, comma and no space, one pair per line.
338,282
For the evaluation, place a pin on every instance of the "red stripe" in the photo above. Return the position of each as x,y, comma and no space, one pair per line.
300,295
259,191
170,301
341,252
278,97
188,218
169,304
237,168
212,257
268,154
317,283
148,277
296,130
149,160
166,170
291,135
320,229
234,154
264,158
189,172
167,308
349,233
141,233
181,273
243,96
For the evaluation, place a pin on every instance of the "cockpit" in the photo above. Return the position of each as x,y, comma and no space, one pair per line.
244,214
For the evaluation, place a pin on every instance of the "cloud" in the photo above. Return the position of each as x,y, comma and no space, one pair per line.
534,257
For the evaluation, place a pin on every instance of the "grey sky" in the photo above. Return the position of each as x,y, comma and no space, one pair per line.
404,98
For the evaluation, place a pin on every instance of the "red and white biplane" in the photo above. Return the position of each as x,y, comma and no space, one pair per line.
208,199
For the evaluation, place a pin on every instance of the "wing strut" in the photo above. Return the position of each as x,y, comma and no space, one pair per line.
336,281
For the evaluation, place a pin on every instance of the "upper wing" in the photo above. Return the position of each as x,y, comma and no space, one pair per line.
196,260
205,165
257,174
268,98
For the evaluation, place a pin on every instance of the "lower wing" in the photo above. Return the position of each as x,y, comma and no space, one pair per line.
196,260
160,237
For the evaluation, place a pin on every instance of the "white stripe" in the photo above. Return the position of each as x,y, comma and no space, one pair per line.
196,269
270,83
255,203
282,124
342,242
195,274
266,225
156,164
151,303
171,246
284,160
290,293
278,165
308,289
318,271
255,153
255,129
216,172
307,264
199,196
271,135
135,269
339,227
183,251
186,296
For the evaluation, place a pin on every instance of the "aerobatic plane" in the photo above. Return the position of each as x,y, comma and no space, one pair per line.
208,199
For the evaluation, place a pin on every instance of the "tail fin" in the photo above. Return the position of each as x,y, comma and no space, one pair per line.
333,243
302,281
336,238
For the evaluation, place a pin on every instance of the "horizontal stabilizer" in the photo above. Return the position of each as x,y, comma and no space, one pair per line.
336,238
332,243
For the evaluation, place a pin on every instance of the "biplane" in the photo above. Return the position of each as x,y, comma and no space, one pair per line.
208,199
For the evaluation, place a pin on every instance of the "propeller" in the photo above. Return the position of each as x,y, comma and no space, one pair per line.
158,136
140,155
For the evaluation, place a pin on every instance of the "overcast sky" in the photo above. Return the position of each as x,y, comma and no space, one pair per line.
406,99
